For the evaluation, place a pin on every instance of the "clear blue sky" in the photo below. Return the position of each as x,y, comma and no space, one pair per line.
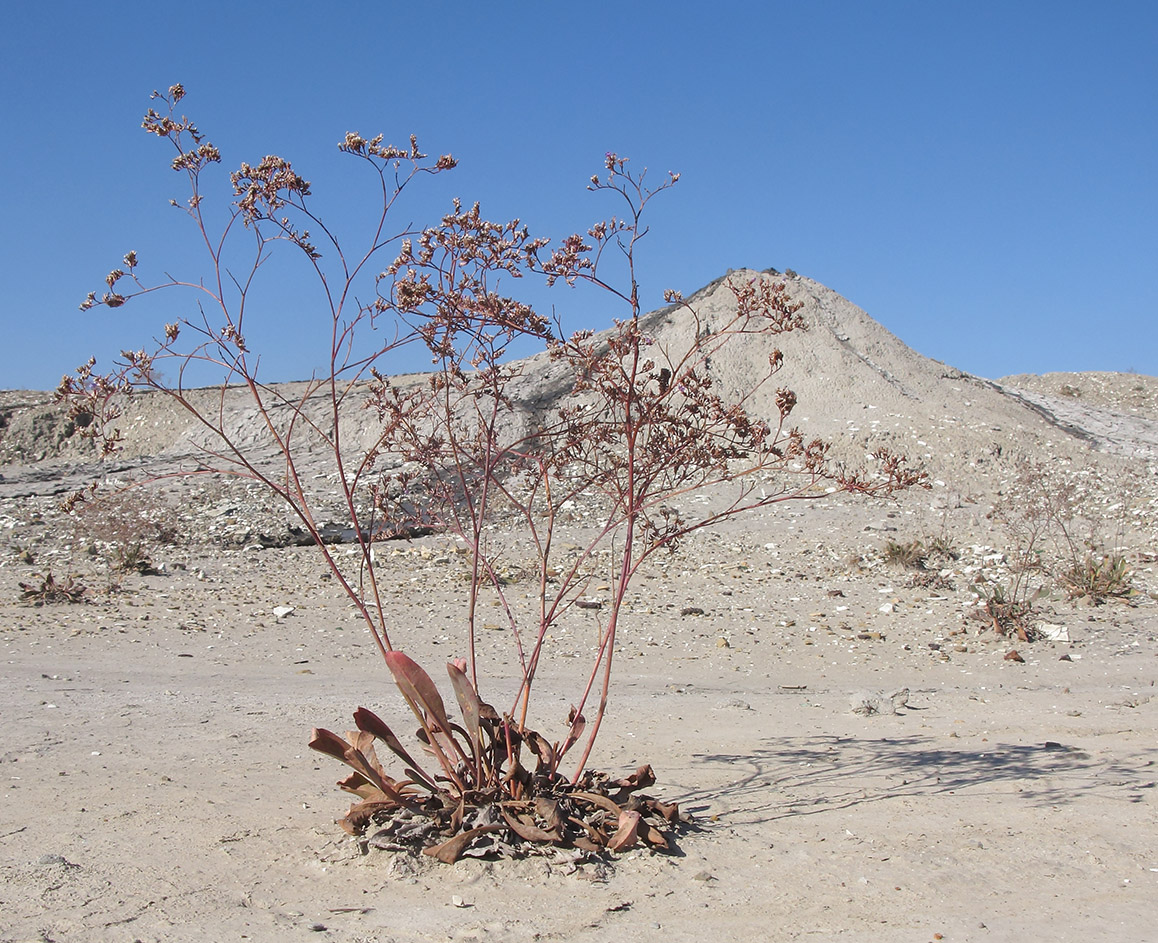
981,177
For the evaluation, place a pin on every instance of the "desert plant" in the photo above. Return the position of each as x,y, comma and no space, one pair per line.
1041,513
636,429
133,558
1036,511
1008,608
940,547
1097,577
482,787
909,556
50,590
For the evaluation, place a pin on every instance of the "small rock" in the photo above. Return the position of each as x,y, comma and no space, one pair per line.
1013,655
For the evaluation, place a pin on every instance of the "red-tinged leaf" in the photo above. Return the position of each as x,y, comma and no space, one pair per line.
469,703
363,742
450,851
542,749
426,703
325,741
421,779
359,785
418,689
627,834
444,745
360,763
370,722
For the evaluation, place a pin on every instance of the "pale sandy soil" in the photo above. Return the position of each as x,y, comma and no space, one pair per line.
157,785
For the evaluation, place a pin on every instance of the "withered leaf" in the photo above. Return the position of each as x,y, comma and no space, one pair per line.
627,834
450,851
528,830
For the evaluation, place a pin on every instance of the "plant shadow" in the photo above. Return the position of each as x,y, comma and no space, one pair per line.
810,775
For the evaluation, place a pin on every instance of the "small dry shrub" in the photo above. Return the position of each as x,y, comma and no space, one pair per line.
123,525
932,580
910,556
1098,578
49,590
941,548
1007,611
132,558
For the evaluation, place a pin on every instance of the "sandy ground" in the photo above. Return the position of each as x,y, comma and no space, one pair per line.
157,784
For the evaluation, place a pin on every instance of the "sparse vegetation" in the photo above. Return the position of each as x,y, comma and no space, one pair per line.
909,556
1097,577
133,558
638,429
1041,514
941,548
49,590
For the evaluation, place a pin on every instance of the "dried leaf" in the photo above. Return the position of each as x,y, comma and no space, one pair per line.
578,722
548,811
361,813
653,836
602,801
640,779
627,834
528,830
668,811
450,851
370,722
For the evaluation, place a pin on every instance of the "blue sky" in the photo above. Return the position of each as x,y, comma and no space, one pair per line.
981,177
